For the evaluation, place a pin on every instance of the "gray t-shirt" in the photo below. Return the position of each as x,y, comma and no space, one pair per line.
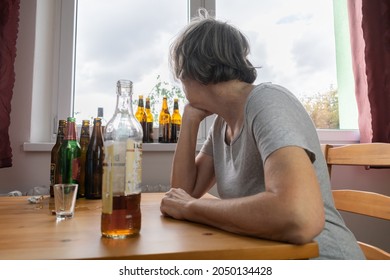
274,118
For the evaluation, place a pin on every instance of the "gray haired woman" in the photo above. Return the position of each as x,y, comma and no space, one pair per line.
262,152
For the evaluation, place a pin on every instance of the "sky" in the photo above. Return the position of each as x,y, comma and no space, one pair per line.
292,42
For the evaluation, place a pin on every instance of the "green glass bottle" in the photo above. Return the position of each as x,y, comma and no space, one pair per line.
70,154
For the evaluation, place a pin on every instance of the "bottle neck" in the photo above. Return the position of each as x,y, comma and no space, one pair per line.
71,131
61,134
97,127
84,132
141,103
165,105
123,104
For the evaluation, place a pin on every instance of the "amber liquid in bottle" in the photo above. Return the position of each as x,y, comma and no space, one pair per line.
164,122
176,122
149,123
125,219
140,115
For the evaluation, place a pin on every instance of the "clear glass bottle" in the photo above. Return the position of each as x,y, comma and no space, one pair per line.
122,169
94,163
84,142
164,121
175,121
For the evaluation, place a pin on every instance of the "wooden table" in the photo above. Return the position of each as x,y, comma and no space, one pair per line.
30,231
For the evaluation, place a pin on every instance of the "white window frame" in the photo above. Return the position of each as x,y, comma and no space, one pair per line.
58,87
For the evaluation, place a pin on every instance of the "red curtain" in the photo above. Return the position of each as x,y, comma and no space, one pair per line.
9,18
370,42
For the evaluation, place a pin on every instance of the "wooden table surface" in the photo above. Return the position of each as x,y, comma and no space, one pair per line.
30,231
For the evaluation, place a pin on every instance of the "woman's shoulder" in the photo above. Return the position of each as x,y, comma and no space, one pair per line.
261,90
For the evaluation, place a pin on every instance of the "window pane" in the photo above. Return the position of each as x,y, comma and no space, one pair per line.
121,39
292,42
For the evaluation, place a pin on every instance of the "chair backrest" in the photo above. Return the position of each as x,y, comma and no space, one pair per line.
356,201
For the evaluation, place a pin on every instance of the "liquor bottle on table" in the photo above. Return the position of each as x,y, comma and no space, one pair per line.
94,163
69,155
54,170
164,122
149,122
122,169
84,142
140,115
175,122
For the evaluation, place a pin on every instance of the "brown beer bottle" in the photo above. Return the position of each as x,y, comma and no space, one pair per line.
54,172
149,122
84,141
140,115
94,163
164,122
175,122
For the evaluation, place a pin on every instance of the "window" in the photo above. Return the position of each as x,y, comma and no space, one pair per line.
295,46
60,80
122,39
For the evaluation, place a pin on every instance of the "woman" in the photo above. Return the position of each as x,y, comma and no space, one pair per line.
262,151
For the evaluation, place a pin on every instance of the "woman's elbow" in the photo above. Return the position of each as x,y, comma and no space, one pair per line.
306,229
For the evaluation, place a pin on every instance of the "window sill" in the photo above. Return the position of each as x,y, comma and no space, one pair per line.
146,147
326,136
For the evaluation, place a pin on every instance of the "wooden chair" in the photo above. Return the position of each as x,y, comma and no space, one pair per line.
356,201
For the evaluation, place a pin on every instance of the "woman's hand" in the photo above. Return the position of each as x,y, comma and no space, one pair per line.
195,114
175,203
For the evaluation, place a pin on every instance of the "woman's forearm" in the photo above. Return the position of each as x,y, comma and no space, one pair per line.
183,168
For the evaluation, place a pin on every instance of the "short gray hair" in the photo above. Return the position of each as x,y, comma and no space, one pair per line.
210,51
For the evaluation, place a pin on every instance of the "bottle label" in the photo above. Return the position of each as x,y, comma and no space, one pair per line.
52,173
122,171
133,167
113,173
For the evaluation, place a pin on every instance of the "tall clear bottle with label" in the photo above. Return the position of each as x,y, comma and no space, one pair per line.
122,169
